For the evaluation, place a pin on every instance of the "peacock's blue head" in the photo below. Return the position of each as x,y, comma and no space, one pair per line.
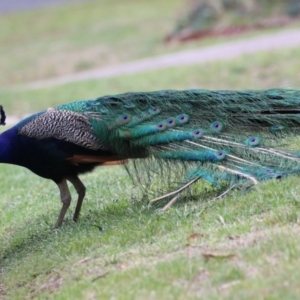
2,115
7,138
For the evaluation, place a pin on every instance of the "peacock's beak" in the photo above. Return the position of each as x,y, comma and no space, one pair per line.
2,115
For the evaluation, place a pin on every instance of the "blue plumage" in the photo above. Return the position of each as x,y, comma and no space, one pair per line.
218,136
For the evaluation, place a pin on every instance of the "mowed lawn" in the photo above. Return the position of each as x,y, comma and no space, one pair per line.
243,246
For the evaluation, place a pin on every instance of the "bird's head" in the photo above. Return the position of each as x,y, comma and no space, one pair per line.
2,115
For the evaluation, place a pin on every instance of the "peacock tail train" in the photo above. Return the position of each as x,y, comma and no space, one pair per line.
171,138
218,136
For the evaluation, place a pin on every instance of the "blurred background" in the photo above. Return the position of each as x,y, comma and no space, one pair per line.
54,52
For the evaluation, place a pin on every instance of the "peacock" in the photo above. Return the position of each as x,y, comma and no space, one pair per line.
220,137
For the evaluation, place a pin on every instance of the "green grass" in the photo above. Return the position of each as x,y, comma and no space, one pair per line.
71,38
143,254
56,41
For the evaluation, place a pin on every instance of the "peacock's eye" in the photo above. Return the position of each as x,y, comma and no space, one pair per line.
154,110
216,127
182,119
198,133
161,126
171,122
253,141
220,155
276,128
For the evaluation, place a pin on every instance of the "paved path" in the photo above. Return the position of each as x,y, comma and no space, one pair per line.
17,5
283,39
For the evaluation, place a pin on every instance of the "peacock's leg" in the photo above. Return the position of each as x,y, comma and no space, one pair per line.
65,197
80,189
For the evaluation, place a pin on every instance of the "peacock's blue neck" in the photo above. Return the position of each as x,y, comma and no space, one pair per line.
9,146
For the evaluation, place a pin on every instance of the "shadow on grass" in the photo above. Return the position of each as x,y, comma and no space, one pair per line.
114,217
23,240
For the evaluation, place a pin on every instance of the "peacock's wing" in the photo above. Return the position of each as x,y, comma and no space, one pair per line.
64,125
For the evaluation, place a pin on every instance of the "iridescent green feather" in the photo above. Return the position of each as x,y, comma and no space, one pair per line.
251,127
